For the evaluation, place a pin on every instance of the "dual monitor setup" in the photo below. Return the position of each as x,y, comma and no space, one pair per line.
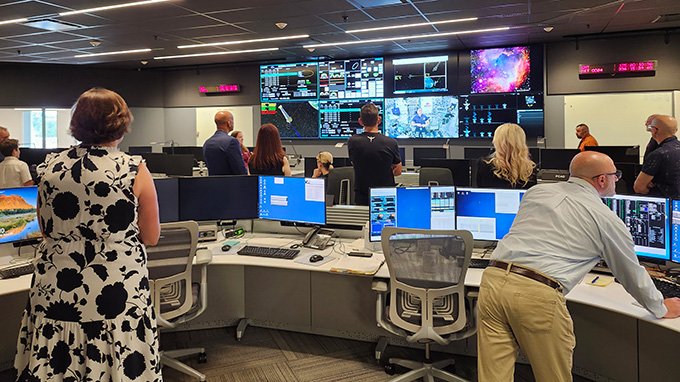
488,214
466,94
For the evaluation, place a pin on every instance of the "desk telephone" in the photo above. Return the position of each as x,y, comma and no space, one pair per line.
317,238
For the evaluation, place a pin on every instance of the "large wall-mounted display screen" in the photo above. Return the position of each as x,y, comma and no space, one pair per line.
343,79
420,74
289,81
340,118
421,117
501,70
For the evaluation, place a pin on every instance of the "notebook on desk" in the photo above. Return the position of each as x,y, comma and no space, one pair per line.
358,265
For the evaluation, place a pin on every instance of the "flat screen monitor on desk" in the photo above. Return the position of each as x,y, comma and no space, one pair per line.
229,197
411,207
167,192
297,200
36,156
619,154
487,213
460,168
196,151
18,214
427,152
648,220
161,163
557,159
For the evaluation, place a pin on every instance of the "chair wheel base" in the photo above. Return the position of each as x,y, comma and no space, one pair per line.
202,358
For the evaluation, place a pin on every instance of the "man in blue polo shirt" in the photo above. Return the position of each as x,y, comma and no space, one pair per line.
660,174
420,121
222,152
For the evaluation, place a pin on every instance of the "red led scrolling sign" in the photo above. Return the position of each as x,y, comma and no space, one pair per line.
218,89
645,68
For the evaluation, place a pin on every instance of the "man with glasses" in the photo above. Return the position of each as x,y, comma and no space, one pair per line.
560,232
660,174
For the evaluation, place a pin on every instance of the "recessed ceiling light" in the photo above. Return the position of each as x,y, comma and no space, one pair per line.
281,25
430,35
215,53
112,53
548,29
106,8
412,25
13,21
244,41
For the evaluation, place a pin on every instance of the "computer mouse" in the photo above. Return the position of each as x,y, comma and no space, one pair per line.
315,258
226,248
295,246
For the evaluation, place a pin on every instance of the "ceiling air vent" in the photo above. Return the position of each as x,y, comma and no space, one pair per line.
52,25
373,3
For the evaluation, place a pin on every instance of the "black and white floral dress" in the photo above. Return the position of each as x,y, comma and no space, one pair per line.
89,315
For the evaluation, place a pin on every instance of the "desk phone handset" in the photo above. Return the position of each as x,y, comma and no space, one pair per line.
317,238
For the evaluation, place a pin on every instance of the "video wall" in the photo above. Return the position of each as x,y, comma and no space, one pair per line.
464,95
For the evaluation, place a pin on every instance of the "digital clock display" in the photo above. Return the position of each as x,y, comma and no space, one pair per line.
231,88
618,69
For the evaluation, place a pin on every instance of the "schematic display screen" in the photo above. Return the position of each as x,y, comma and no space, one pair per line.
288,81
480,115
648,221
342,79
340,119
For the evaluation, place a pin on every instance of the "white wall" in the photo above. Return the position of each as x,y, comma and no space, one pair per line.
243,121
13,121
148,126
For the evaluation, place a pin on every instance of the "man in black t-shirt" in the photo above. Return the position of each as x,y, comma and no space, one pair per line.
660,174
374,156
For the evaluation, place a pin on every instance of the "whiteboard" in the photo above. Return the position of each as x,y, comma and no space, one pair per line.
243,121
614,119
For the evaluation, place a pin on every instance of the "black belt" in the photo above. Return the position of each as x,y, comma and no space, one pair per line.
526,272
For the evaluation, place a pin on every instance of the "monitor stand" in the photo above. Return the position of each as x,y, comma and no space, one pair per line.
368,245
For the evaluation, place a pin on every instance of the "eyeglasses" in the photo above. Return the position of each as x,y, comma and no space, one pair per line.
649,127
617,174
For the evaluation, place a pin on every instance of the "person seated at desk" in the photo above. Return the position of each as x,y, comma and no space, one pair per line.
89,315
13,171
561,231
268,156
509,166
324,165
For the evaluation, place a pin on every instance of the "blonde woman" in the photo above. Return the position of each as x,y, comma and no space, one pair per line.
509,166
324,165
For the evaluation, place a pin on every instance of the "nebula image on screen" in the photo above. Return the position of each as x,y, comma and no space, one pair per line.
502,70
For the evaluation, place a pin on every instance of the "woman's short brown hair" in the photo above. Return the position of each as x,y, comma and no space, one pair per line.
100,116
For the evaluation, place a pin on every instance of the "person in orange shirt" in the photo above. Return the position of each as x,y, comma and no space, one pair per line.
583,133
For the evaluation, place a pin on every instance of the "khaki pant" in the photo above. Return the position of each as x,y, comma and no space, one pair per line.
517,312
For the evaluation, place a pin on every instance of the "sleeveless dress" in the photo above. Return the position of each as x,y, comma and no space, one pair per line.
89,315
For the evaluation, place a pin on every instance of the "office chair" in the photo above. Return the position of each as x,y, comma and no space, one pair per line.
433,176
175,297
427,297
340,184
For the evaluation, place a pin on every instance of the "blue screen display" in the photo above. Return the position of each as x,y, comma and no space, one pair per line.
647,218
299,200
487,213
675,232
19,214
412,207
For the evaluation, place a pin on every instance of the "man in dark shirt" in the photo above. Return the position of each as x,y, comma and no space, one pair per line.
374,156
660,174
222,152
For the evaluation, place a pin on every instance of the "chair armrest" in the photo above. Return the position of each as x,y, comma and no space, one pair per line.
379,286
471,327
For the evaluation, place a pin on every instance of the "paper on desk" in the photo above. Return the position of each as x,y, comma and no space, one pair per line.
600,280
358,265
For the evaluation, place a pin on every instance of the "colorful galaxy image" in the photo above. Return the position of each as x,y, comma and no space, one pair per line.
502,70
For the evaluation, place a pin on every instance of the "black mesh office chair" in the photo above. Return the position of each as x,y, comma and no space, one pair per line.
433,176
341,185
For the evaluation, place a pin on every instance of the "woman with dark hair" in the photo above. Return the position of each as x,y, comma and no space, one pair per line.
89,314
268,156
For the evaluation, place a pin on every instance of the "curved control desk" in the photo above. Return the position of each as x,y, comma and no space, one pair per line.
616,338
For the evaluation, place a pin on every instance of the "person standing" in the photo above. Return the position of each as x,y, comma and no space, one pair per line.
13,171
660,173
90,315
374,156
222,152
268,156
560,232
583,133
245,153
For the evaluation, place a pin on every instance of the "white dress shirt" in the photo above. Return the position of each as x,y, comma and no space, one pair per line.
13,172
563,229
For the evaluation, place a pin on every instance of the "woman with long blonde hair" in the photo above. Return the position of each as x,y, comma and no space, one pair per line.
510,165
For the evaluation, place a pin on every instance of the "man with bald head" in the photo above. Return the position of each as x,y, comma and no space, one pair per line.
583,133
560,232
222,152
660,174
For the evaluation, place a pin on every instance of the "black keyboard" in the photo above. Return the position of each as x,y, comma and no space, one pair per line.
277,253
476,262
666,287
16,270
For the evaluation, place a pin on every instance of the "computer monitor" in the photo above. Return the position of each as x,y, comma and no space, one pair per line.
178,164
339,119
487,213
675,233
557,159
427,152
167,192
36,156
18,214
196,151
648,219
619,154
229,197
460,168
136,150
476,152
355,78
402,155
297,200
411,207
290,81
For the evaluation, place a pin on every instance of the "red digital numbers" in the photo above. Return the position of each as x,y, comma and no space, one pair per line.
230,88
